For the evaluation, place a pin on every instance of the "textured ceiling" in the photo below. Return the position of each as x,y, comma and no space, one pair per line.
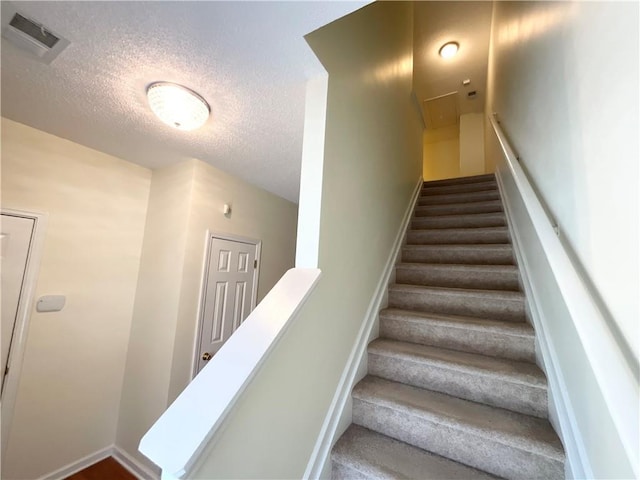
469,24
248,59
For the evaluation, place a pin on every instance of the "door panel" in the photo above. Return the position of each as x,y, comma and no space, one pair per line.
228,293
16,240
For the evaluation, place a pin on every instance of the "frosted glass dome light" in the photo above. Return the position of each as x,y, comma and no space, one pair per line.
449,49
178,106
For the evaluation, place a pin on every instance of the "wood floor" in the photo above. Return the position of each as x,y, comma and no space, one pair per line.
107,469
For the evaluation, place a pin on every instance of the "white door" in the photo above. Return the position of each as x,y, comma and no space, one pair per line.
229,293
15,235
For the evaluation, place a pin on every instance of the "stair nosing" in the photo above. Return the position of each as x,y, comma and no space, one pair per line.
483,203
458,215
478,193
502,228
458,266
480,293
488,183
452,246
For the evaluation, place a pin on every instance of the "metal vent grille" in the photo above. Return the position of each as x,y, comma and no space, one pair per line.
28,35
35,31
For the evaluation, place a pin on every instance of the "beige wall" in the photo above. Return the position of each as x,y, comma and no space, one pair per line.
149,358
69,394
372,164
186,200
126,247
563,79
472,144
441,153
565,86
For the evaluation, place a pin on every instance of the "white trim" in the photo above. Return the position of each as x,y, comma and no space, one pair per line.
618,385
311,171
136,468
329,431
178,437
576,455
81,464
210,235
23,318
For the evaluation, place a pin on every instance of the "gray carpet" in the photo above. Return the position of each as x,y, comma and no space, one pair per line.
453,391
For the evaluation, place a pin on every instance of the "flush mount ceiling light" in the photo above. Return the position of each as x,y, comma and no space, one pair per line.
177,106
449,49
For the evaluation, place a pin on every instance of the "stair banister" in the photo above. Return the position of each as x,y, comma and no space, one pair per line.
619,385
179,436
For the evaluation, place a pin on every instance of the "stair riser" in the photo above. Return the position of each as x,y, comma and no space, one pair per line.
464,188
461,445
454,303
461,339
459,198
462,255
460,221
470,236
458,209
460,181
497,392
441,277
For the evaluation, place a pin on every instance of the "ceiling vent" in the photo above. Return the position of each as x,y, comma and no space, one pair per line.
29,35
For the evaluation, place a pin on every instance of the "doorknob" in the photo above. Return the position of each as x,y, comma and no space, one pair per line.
206,356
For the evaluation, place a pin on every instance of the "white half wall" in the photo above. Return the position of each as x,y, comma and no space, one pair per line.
372,162
309,208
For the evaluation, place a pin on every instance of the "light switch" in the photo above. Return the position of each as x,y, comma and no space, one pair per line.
50,303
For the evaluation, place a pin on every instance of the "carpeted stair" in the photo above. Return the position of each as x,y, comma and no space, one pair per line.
453,390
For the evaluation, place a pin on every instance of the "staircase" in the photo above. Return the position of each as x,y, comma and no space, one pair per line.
453,390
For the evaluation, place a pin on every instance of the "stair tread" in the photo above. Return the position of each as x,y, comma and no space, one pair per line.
460,197
458,246
461,180
459,267
497,294
437,209
378,456
521,329
465,229
511,370
475,187
525,432
470,215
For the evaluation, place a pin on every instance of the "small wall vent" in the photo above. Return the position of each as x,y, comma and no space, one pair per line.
29,35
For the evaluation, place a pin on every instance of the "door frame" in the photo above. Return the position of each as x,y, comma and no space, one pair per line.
23,317
209,236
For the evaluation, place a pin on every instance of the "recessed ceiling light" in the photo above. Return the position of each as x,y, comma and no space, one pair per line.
449,49
177,106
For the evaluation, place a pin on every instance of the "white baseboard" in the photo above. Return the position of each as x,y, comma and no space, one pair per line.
578,465
78,465
330,430
136,468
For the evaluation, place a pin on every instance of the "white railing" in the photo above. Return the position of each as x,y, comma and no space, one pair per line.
615,377
180,435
